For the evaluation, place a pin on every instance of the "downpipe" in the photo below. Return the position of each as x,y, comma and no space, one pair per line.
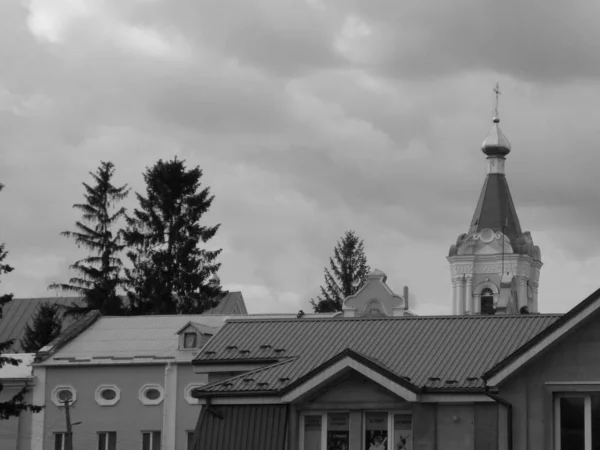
509,415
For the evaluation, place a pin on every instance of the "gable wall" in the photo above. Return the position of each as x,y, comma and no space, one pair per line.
576,358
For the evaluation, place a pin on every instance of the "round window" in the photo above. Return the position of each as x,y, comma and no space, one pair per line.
65,395
152,394
108,394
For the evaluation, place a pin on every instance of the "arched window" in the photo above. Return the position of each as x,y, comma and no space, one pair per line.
487,301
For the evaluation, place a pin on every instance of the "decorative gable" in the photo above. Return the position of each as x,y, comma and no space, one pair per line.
376,299
193,336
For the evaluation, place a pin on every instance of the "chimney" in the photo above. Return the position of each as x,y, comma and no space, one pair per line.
406,298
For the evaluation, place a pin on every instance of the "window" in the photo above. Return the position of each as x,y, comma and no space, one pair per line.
577,422
190,340
152,394
59,441
61,394
380,430
107,440
190,440
487,301
188,393
107,395
151,440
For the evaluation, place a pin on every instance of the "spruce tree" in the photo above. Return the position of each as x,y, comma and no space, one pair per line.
99,275
46,326
169,269
15,405
347,273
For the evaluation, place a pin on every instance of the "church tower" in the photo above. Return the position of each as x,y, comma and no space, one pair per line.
495,266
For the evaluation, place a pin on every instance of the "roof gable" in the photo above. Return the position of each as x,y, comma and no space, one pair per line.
585,310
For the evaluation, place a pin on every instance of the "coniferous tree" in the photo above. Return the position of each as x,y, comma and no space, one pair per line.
15,405
99,275
46,326
163,237
347,274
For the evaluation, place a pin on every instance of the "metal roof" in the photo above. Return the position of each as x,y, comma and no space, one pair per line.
446,352
495,208
140,339
19,311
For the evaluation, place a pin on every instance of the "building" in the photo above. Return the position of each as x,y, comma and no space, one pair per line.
495,266
15,432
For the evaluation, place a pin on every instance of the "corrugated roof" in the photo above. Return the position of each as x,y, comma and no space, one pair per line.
455,350
129,339
495,208
241,427
19,311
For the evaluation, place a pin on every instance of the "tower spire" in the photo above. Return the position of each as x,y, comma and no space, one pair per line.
497,91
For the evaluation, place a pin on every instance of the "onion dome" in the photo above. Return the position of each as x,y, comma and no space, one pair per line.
496,144
214,279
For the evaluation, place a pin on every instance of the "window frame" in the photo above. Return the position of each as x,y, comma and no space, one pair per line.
188,433
390,424
63,435
107,435
152,433
187,333
587,421
187,393
63,387
104,402
149,402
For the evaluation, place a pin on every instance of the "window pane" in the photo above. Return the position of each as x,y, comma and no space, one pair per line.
156,440
58,441
338,431
102,441
403,431
572,423
376,432
190,436
146,441
112,440
312,433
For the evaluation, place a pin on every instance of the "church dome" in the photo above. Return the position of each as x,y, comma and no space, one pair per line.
496,144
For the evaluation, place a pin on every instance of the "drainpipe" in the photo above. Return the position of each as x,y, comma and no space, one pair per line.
509,418
166,434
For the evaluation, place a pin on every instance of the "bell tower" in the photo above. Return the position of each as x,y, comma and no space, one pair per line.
495,266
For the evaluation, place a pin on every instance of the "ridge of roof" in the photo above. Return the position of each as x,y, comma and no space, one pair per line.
392,318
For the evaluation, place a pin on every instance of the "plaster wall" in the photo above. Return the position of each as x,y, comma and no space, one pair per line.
187,414
129,417
15,432
575,359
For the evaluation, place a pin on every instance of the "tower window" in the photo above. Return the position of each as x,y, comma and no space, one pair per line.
487,301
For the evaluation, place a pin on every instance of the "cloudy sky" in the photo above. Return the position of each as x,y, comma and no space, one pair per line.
308,118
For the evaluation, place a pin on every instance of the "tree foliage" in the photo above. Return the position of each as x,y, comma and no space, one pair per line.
99,275
347,273
16,404
46,326
169,269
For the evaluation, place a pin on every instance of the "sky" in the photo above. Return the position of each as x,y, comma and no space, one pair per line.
308,118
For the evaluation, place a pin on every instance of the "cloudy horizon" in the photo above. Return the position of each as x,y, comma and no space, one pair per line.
308,118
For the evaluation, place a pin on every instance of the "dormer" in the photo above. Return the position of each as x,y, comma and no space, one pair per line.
376,299
193,336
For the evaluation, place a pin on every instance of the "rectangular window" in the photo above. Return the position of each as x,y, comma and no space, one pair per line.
151,440
190,340
190,440
59,441
381,430
107,440
577,422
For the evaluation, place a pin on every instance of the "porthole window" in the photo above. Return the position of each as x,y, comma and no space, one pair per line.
188,393
152,394
62,394
107,395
